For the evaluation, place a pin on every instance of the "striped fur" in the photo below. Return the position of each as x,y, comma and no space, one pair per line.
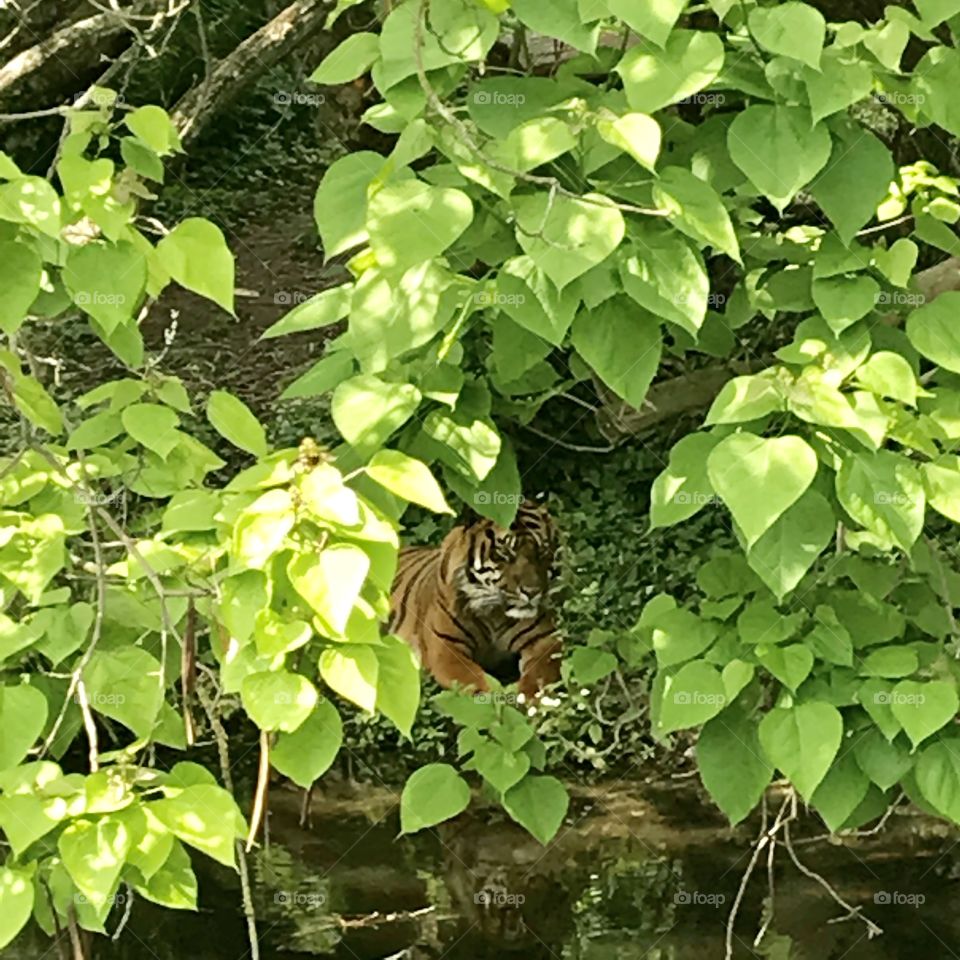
477,604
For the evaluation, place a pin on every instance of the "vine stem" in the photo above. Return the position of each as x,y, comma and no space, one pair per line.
223,753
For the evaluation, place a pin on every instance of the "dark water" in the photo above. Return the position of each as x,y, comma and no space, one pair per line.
637,873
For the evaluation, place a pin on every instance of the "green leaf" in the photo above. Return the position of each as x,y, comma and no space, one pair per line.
367,410
472,441
683,488
153,425
152,124
16,902
432,794
932,329
407,478
278,700
20,273
691,697
883,762
31,200
829,639
322,377
844,300
794,30
840,793
25,819
533,143
690,60
933,12
759,479
889,662
637,134
666,276
802,741
599,336
196,255
23,714
731,763
500,767
884,493
233,419
330,581
934,77
888,374
94,855
205,817
539,805
349,60
306,754
565,236
680,635
696,209
411,221
174,885
941,480
352,670
938,777
124,684
651,20
590,665
529,297
321,310
778,149
876,696
851,187
340,205
388,318
782,555
561,20
791,664
106,281
746,398
398,683
843,79
922,708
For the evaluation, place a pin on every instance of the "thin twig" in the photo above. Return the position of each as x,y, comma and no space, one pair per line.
262,789
852,912
223,752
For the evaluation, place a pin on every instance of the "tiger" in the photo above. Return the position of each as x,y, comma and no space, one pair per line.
478,604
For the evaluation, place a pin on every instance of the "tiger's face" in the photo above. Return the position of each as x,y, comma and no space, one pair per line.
508,571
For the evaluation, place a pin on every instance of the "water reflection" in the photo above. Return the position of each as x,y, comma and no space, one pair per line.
639,874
